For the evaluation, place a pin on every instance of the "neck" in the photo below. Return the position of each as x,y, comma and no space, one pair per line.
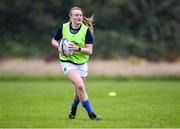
75,26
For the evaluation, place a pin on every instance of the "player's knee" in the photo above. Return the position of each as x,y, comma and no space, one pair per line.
80,87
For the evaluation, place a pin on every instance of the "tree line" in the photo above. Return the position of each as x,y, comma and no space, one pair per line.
145,28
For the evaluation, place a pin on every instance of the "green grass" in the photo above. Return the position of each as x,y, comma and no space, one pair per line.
45,104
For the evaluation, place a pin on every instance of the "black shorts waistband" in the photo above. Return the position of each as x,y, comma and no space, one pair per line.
71,62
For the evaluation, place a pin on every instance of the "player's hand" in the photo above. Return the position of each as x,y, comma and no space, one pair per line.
73,47
59,48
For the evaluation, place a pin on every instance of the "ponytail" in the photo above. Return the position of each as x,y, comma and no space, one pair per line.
89,22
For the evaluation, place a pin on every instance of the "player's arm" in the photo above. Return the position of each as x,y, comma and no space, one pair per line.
57,37
87,50
89,44
55,43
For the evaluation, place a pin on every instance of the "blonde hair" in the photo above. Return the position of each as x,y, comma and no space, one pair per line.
86,21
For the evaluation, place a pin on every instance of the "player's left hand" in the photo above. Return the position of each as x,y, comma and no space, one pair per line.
73,47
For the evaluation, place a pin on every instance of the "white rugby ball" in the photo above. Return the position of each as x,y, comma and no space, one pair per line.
65,47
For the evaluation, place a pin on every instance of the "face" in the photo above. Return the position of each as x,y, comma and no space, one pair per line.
76,17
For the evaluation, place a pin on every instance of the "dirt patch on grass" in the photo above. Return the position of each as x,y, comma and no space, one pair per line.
96,67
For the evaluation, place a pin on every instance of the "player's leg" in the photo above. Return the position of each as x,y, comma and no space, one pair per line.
81,93
83,71
66,66
75,103
78,82
92,116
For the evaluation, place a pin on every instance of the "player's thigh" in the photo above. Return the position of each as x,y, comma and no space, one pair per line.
75,78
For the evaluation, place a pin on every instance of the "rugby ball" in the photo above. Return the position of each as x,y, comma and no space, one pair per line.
64,46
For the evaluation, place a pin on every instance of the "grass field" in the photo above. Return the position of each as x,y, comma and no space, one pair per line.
45,104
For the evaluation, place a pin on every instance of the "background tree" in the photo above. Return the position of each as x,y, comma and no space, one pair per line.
146,28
